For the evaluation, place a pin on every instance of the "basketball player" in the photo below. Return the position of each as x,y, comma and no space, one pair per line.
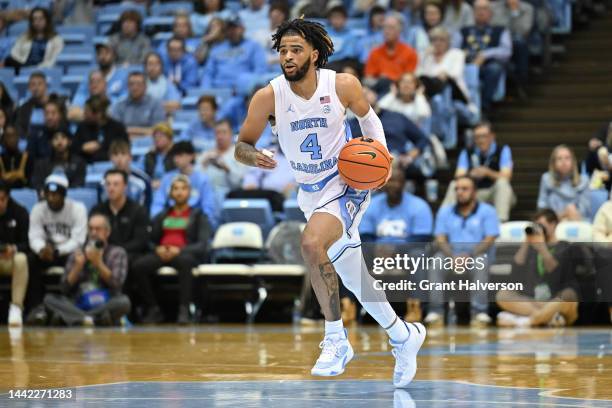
308,105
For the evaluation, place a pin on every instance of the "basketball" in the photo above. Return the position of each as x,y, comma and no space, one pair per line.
364,163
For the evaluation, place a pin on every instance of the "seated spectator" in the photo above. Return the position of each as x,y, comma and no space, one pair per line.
159,86
433,14
255,16
374,34
130,43
180,235
97,132
139,183
234,62
487,46
465,230
279,179
6,102
490,165
39,46
92,281
442,66
116,77
398,217
138,111
62,160
58,227
96,87
545,267
517,17
14,222
602,224
390,60
201,132
563,189
15,165
223,170
407,97
159,161
277,15
180,67
345,39
215,34
30,116
128,219
599,158
457,15
404,139
202,194
39,141
204,14
181,28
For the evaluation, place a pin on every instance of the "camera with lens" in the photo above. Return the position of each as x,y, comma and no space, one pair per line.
534,229
95,243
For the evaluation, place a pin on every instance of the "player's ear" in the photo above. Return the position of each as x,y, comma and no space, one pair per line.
314,56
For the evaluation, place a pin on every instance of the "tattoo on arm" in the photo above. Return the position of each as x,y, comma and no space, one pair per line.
328,274
246,154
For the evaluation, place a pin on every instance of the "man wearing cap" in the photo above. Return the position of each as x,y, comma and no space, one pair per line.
158,161
236,61
58,226
202,195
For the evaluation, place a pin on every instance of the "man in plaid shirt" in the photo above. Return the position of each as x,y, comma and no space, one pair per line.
93,280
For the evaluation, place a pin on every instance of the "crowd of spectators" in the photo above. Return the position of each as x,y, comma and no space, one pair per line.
184,89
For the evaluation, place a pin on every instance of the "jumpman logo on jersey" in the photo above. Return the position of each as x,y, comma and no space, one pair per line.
290,108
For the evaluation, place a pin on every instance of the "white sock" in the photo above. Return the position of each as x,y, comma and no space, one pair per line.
398,332
333,327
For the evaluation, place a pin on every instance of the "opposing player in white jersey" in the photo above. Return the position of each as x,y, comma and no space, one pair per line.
308,105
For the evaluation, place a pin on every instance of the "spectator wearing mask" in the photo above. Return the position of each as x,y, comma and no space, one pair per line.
159,161
467,229
490,164
487,46
457,15
159,86
62,161
544,266
130,44
202,195
39,142
345,39
15,165
201,132
14,222
92,281
390,60
235,61
40,45
97,132
180,235
139,183
138,111
58,227
181,68
563,189
30,116
407,97
223,170
96,87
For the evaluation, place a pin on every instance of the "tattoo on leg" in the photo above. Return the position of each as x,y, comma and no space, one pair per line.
330,279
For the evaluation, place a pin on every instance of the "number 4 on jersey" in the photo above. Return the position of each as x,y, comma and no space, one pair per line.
311,145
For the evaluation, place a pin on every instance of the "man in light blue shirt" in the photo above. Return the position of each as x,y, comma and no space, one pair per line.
236,62
181,67
201,132
202,194
255,16
345,40
464,233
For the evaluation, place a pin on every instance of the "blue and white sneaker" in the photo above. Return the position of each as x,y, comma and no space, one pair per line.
336,352
405,355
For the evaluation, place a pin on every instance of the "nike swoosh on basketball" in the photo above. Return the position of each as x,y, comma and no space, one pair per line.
371,154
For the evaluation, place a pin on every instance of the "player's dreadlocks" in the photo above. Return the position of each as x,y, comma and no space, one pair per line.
312,32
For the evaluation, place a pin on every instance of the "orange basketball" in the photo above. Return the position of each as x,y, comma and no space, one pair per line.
364,163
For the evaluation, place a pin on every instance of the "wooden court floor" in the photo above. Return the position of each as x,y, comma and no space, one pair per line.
566,363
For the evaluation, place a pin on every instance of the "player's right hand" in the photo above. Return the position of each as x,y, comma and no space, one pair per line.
265,162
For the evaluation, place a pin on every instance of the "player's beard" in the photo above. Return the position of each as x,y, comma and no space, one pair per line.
299,73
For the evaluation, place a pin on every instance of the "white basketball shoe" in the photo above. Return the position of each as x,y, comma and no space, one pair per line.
406,355
336,352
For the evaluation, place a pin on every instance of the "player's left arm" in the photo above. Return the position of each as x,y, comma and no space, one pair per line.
351,95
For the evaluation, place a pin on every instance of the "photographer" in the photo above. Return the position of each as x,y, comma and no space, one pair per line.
14,222
92,281
545,267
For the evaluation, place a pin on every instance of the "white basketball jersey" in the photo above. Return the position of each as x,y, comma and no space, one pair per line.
311,132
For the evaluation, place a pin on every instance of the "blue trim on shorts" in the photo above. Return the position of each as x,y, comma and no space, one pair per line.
344,248
344,211
316,187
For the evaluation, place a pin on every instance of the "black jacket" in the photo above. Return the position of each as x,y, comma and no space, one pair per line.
198,233
14,225
130,226
150,159
105,135
11,162
75,169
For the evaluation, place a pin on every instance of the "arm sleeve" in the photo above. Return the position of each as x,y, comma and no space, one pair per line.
371,126
36,232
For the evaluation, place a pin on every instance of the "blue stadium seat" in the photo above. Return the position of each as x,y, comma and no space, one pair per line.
293,211
95,173
65,60
86,30
80,70
72,82
88,196
18,28
157,23
7,75
233,6
141,146
117,9
171,8
185,115
161,37
27,197
257,211
87,48
178,127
